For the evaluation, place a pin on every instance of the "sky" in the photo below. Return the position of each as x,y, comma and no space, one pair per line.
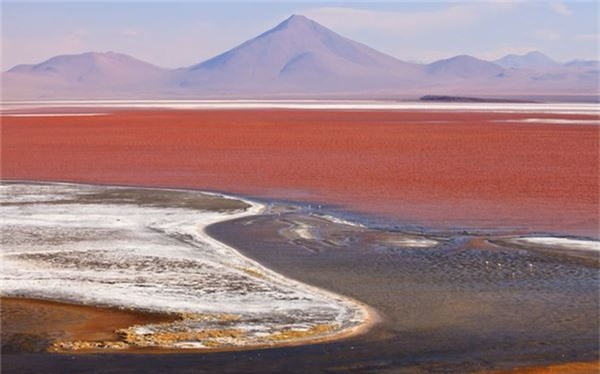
178,34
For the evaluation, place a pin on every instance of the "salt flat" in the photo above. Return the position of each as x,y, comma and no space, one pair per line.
122,247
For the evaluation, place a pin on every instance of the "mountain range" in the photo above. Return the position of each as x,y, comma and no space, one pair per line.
299,58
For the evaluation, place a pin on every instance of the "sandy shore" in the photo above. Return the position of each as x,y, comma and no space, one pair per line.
412,167
33,325
28,326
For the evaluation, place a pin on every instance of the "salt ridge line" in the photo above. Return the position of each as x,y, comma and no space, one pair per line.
368,315
557,121
557,108
55,114
353,309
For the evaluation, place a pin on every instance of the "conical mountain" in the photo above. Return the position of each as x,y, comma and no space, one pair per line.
299,55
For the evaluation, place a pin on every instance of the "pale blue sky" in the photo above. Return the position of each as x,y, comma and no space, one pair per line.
181,34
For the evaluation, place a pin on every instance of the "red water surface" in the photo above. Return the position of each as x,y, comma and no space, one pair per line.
435,168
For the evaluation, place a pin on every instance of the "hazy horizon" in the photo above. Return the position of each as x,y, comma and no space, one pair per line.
179,35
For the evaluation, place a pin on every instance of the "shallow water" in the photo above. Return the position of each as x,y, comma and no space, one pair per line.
450,301
465,301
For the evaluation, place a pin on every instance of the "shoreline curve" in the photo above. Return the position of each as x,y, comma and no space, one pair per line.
368,316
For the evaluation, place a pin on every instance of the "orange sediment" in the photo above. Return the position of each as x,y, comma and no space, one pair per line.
592,367
26,320
33,325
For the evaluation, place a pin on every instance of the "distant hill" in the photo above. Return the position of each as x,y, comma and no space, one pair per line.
532,59
92,68
584,64
84,75
298,58
465,67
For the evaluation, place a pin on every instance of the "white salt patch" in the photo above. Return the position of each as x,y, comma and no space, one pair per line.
413,242
340,221
143,330
189,345
584,245
303,231
558,121
54,114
